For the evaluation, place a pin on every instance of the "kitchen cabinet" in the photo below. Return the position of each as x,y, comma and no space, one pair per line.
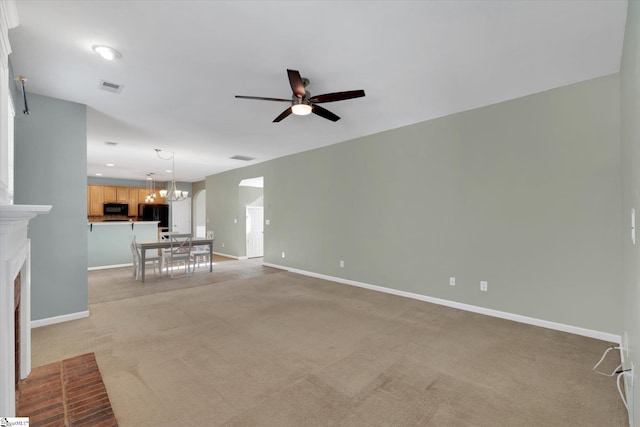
143,196
133,201
110,194
95,200
122,194
98,195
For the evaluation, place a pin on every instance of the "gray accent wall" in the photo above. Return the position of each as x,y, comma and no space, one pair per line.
51,169
523,194
630,136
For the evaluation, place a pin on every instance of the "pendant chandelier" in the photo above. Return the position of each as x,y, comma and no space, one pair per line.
172,194
151,189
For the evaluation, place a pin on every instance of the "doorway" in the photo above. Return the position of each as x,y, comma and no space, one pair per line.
255,231
181,216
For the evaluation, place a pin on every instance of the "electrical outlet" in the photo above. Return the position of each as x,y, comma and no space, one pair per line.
452,281
483,286
282,254
341,264
633,226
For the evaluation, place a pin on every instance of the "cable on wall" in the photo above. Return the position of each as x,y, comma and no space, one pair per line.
620,375
22,81
615,371
618,372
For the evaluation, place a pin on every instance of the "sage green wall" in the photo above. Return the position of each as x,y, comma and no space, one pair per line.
226,204
51,169
524,194
197,186
630,135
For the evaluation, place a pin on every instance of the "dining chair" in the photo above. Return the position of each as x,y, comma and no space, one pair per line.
178,252
201,253
134,254
154,260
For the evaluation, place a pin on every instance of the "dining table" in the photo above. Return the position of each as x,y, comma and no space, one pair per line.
143,247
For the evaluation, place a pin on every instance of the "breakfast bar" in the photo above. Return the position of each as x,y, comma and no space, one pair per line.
108,241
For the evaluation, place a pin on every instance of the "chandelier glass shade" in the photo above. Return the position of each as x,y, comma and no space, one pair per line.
172,194
151,189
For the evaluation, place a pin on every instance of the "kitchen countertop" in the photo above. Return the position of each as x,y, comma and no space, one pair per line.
122,222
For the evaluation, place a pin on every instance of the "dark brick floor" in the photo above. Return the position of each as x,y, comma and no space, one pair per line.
66,393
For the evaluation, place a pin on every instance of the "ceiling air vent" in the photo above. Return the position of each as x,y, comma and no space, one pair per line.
110,143
243,158
110,87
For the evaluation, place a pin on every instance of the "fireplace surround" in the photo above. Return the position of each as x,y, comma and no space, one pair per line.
15,262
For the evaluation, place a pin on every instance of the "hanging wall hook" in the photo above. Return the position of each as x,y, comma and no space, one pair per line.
22,81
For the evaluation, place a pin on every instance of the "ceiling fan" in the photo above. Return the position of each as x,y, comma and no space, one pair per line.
302,103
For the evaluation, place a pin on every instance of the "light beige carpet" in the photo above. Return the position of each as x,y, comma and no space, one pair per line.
280,349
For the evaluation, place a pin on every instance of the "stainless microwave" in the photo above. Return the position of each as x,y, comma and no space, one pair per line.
116,209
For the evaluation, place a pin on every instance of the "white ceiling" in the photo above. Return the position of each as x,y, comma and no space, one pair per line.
183,62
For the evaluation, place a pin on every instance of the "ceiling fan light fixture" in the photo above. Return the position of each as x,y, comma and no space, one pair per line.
301,109
107,52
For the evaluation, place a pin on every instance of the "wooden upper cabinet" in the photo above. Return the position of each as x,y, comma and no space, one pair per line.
142,194
110,194
95,195
122,194
98,195
133,201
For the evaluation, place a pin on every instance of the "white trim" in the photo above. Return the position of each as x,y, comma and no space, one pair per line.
15,256
228,256
279,267
8,20
105,267
604,336
59,319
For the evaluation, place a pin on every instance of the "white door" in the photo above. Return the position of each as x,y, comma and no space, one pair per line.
181,216
255,228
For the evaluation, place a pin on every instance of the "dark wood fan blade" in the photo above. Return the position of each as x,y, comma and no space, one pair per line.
262,98
337,96
282,115
296,83
323,112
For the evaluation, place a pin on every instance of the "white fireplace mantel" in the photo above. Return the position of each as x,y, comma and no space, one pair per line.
15,257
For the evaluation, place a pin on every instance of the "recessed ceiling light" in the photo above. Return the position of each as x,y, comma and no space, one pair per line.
110,165
98,174
168,170
107,52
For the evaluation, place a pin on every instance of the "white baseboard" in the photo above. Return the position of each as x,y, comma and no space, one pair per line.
105,267
59,319
228,256
604,336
